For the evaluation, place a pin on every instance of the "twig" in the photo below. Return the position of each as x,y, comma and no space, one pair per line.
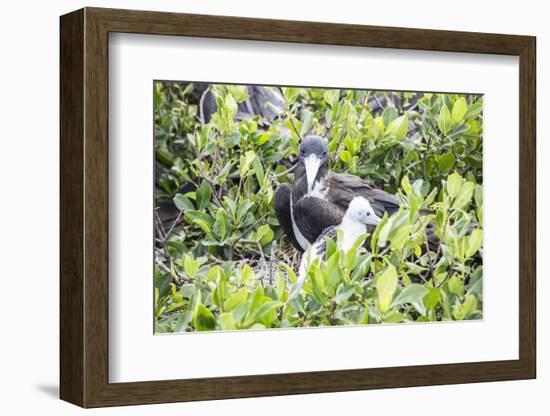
204,175
272,255
431,264
160,231
378,102
239,188
176,221
264,263
214,259
253,225
290,169
177,279
158,224
424,167
289,116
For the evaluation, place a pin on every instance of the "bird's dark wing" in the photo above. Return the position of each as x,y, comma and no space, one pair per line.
281,201
342,188
314,215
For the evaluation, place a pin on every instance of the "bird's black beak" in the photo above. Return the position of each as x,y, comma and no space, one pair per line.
312,163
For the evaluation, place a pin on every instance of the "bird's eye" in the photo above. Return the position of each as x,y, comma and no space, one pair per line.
325,153
368,214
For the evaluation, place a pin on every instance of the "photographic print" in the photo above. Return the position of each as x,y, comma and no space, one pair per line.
291,207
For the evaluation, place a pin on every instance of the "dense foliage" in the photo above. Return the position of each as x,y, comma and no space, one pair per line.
224,262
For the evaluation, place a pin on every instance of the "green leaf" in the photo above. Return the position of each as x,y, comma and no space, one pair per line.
393,317
246,161
280,286
264,234
318,283
474,242
386,285
466,308
400,126
444,121
190,265
290,273
204,319
183,203
459,110
183,321
222,176
267,310
258,170
226,321
350,145
406,185
230,106
214,273
203,220
345,156
164,156
475,285
307,121
257,300
478,195
235,299
331,96
432,298
412,293
247,275
203,195
388,115
243,208
456,286
454,183
474,110
400,237
221,225
344,294
446,162
465,195
376,241
469,305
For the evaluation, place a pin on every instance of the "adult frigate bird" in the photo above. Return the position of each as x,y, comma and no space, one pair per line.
319,198
353,225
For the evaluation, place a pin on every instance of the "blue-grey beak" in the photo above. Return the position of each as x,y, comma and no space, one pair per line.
372,219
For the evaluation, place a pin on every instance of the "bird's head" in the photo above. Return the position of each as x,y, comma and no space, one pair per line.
313,153
360,210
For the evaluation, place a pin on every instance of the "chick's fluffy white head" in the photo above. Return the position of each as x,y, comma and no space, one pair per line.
360,210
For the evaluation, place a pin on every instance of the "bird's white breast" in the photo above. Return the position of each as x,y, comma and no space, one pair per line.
299,236
319,190
351,231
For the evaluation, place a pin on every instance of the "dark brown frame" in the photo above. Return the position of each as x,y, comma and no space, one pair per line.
84,209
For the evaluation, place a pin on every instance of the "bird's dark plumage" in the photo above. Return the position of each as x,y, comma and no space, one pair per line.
314,215
342,188
281,201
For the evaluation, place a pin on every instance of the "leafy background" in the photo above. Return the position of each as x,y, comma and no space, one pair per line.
223,263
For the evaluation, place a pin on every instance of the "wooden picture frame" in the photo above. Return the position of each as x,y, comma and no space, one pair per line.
84,207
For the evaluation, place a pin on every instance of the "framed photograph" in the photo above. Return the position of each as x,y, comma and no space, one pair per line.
255,207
